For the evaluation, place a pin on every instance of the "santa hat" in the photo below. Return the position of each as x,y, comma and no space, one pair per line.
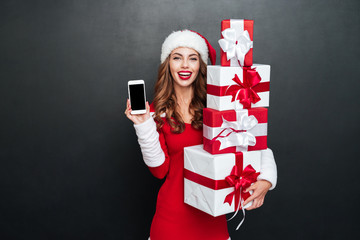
190,39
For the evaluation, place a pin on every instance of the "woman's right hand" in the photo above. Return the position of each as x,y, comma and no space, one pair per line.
137,118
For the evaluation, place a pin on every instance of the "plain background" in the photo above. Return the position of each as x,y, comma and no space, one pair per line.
71,167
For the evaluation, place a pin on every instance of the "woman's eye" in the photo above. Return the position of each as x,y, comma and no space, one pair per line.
193,59
176,58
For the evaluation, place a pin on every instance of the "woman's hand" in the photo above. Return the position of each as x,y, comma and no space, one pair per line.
260,188
137,118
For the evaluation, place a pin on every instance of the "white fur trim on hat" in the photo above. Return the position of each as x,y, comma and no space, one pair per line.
184,38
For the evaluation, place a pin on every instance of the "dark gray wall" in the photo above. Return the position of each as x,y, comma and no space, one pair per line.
70,164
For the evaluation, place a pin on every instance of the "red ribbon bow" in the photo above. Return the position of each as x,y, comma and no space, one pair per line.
241,180
243,91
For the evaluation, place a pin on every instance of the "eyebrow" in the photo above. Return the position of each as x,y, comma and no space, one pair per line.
193,54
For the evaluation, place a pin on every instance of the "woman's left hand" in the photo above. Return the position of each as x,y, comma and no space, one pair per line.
260,188
137,118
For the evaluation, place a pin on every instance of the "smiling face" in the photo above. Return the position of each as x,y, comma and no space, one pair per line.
184,66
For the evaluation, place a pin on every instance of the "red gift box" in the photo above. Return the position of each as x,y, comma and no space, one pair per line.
234,130
236,42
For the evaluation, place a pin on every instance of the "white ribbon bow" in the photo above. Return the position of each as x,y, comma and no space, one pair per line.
235,44
229,138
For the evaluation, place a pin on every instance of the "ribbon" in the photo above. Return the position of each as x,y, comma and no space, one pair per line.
221,90
243,91
236,45
240,180
236,133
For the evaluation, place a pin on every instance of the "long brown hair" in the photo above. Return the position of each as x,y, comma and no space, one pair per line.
165,99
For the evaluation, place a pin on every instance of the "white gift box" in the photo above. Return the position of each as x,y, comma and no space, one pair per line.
219,78
213,168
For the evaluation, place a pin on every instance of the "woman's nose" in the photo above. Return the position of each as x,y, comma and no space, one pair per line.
185,64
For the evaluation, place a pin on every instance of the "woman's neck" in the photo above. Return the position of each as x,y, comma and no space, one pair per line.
184,97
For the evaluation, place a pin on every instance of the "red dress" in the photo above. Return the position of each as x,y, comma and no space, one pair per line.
175,220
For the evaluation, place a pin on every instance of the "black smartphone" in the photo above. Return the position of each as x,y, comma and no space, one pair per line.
137,96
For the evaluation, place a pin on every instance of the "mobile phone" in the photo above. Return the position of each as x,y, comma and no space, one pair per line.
137,96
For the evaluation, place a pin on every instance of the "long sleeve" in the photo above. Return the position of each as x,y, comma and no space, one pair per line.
152,146
268,169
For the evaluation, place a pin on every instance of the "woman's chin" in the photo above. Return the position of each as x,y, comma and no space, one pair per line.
184,83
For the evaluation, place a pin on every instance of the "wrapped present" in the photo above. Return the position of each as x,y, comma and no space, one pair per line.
237,88
236,42
234,131
215,184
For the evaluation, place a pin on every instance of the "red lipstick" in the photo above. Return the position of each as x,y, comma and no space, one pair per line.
184,75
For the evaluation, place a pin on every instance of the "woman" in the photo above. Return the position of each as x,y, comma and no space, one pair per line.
180,96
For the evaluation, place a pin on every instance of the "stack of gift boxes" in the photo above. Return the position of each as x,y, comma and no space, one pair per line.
217,173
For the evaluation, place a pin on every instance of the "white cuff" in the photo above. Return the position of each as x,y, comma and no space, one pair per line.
268,169
148,139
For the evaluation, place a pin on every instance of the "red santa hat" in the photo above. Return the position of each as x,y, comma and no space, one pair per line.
190,39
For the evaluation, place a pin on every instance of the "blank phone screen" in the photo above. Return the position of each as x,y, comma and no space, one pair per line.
137,97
